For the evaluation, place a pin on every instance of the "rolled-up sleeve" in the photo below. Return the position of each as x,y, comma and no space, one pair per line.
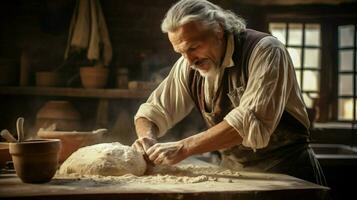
170,102
265,97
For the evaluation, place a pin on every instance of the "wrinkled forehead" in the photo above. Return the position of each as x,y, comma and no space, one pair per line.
186,34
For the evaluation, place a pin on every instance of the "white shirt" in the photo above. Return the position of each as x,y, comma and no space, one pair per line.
272,88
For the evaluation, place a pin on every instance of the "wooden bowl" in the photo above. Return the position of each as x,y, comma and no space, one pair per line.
72,140
4,154
35,161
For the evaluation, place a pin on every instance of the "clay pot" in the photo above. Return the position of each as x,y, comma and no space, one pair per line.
48,79
4,154
94,77
35,161
61,113
71,141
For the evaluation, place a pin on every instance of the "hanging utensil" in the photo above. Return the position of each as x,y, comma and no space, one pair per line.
20,129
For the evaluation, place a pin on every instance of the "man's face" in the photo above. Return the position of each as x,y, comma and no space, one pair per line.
203,49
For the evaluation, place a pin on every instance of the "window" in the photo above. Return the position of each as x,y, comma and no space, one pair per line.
347,73
338,72
304,45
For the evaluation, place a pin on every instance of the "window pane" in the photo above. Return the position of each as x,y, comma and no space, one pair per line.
312,58
298,75
312,34
279,31
345,84
345,60
310,80
295,34
308,101
310,98
313,95
345,109
345,35
295,54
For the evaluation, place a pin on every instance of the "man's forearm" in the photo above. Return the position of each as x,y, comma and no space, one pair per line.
146,128
218,137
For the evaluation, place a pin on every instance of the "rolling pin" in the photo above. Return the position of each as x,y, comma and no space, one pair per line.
7,136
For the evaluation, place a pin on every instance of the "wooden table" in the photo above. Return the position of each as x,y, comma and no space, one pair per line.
247,185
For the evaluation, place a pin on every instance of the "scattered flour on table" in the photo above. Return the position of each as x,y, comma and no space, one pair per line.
163,175
114,163
106,159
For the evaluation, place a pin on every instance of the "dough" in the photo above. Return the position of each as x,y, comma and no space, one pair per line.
106,159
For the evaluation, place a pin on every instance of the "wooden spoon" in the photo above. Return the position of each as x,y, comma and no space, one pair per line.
20,128
7,136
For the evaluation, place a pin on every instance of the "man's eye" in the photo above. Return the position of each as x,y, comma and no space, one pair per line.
192,48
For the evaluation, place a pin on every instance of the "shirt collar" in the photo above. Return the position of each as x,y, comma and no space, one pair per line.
228,60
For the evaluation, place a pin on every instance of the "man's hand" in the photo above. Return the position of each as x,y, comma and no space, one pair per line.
143,144
167,153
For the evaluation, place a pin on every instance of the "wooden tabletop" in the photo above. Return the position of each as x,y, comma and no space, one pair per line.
247,185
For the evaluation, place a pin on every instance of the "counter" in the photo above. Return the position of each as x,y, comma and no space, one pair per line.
241,185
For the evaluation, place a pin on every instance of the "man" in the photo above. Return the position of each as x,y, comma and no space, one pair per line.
243,83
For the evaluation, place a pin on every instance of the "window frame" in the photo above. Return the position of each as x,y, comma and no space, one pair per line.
327,105
303,68
353,72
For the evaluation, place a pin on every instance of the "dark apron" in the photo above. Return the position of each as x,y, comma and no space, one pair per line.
287,152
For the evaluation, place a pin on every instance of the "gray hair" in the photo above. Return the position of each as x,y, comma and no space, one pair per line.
208,14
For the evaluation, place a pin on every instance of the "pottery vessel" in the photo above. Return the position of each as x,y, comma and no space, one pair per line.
61,113
4,154
72,140
94,77
35,161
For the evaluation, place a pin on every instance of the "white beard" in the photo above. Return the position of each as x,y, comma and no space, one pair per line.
213,70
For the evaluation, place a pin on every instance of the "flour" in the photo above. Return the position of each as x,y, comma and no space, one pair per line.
114,163
106,159
188,174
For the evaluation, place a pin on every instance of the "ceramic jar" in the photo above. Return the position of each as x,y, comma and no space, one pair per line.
35,161
4,154
61,113
94,77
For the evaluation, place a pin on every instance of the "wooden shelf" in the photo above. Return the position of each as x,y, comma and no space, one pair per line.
76,92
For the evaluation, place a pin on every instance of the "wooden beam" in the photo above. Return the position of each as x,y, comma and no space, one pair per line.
77,92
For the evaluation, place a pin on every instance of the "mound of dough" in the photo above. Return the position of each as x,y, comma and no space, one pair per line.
106,159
